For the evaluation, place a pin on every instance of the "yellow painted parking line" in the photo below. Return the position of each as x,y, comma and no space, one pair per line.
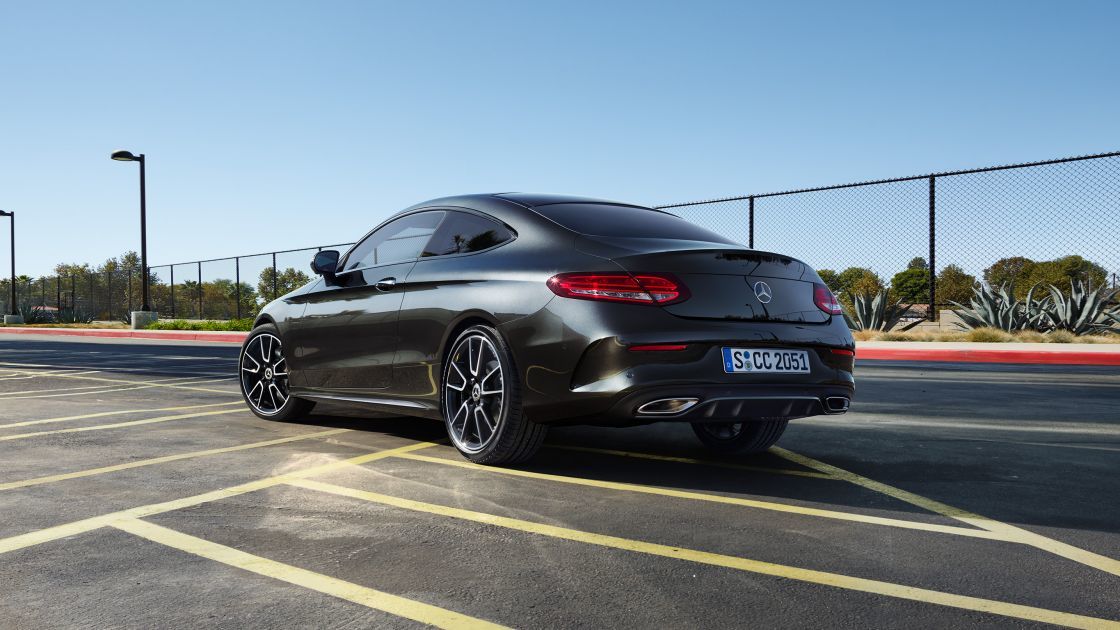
689,460
117,425
1006,531
4,395
103,414
715,498
36,481
888,589
65,530
349,591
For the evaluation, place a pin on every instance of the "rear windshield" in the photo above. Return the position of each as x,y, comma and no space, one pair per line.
626,222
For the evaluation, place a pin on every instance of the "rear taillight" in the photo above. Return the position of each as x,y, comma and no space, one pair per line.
825,300
639,288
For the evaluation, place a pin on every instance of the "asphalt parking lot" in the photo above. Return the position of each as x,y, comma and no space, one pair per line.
137,491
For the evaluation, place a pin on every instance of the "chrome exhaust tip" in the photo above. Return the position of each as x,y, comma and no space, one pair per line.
836,404
667,406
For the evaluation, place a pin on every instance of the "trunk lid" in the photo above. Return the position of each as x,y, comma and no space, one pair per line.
735,284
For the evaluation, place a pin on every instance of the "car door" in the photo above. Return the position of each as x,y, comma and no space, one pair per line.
346,338
446,281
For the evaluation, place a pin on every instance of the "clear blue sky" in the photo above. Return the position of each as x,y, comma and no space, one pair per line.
282,124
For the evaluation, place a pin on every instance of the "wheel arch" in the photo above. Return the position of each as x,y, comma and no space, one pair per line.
463,322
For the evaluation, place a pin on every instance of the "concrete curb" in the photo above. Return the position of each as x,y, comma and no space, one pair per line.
165,335
1023,353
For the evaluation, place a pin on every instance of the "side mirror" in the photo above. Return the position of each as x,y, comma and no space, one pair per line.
325,263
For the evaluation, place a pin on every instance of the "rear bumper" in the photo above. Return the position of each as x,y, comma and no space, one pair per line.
576,365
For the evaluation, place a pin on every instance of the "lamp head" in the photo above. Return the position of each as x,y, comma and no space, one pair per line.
124,156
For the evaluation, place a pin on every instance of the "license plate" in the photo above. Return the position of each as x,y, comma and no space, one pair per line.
765,360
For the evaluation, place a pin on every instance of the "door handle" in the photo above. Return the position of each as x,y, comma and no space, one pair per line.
386,284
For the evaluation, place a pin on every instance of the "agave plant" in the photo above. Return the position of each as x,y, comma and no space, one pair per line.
998,308
1083,311
874,312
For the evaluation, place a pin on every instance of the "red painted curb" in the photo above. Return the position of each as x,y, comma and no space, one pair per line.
1057,357
172,335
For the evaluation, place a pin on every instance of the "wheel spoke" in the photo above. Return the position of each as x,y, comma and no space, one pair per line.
478,360
258,363
283,399
460,373
477,426
462,432
490,392
485,417
484,378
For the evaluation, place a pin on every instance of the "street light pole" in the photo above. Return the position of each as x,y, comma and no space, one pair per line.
12,306
126,156
147,303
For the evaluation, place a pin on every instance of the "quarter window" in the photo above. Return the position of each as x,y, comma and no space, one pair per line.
461,233
396,241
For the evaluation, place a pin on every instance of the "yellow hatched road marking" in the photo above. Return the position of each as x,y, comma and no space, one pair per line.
127,382
1007,532
889,589
690,460
48,534
117,425
715,498
4,395
356,593
103,414
163,460
103,389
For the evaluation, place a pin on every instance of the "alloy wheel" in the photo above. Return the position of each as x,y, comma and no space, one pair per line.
264,374
474,392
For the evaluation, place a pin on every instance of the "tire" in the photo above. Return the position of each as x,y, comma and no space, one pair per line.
481,401
753,436
263,386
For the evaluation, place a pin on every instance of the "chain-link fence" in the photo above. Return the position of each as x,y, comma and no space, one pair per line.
930,238
223,288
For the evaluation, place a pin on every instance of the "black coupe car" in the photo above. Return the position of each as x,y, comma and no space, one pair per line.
505,314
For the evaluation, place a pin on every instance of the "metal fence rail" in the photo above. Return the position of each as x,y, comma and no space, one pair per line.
928,238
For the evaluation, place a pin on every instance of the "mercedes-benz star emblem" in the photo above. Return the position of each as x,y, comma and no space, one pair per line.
762,292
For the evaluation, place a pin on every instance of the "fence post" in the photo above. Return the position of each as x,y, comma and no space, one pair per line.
274,285
58,290
73,292
750,242
172,291
130,290
92,299
109,291
200,290
932,248
237,283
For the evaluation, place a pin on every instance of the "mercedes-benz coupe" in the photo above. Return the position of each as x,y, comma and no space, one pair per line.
504,314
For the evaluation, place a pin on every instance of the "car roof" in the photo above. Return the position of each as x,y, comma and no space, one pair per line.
526,200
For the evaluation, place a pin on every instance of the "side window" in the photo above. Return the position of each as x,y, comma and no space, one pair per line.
396,241
461,233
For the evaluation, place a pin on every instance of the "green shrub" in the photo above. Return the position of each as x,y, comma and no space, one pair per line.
182,324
